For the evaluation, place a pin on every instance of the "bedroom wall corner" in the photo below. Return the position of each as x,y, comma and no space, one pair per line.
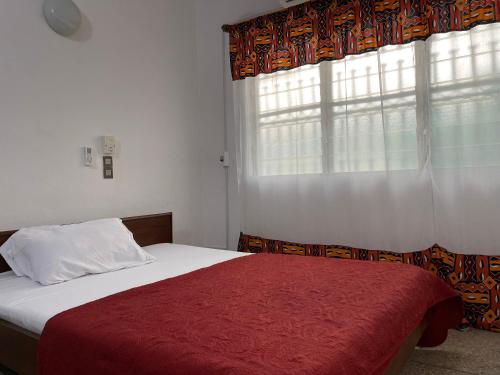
211,15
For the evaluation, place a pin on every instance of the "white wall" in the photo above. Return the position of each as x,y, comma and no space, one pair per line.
211,15
129,72
149,72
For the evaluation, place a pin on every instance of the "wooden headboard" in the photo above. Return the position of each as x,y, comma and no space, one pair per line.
147,230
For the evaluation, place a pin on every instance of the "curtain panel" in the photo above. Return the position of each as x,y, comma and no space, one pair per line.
326,30
394,149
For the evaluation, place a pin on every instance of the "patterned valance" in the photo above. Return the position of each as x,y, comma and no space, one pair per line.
475,277
325,30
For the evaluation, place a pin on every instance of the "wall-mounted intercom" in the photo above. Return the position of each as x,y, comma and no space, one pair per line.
108,145
88,156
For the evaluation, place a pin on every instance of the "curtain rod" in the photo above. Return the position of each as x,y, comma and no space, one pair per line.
227,27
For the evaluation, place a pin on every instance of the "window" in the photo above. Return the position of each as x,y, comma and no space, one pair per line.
289,122
465,97
374,112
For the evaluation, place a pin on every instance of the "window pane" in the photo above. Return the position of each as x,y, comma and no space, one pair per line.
465,97
285,90
373,114
289,122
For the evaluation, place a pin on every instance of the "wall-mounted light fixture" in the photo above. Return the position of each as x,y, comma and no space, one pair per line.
63,16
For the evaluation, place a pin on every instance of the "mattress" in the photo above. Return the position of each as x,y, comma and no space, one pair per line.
30,305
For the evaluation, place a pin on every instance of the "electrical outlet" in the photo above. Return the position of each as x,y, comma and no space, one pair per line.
224,159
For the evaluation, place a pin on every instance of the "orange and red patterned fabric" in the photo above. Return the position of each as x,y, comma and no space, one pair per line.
475,277
325,30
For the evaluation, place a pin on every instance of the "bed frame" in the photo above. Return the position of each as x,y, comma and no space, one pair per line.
18,347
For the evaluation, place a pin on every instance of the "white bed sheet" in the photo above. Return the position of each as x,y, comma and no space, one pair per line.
30,305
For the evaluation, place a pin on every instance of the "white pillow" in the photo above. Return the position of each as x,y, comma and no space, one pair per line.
11,245
54,254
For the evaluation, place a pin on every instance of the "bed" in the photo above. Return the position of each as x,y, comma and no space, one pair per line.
27,309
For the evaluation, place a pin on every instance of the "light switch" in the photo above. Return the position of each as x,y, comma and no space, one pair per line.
107,167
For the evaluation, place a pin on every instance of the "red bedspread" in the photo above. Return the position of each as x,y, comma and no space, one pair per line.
261,314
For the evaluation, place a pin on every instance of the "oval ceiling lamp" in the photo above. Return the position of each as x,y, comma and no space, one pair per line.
63,16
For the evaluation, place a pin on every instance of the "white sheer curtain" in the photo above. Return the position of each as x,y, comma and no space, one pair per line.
395,149
465,97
